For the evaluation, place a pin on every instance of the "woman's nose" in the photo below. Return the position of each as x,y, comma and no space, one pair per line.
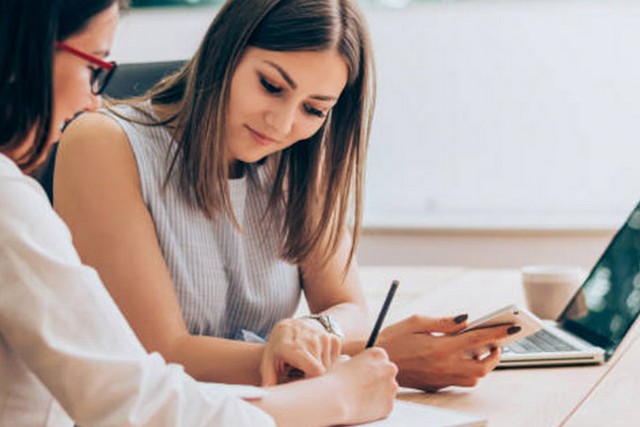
281,120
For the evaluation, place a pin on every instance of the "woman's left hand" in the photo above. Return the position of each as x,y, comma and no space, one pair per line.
431,354
298,345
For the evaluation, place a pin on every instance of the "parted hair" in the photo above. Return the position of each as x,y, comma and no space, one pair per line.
317,182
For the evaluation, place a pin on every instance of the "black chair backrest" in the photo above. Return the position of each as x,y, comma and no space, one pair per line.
129,80
135,79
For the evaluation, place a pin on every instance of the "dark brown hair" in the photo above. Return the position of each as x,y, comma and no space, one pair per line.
28,30
315,180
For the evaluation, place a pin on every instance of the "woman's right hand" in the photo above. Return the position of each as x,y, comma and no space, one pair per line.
367,385
353,391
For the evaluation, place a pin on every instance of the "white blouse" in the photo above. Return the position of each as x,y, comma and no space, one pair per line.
66,351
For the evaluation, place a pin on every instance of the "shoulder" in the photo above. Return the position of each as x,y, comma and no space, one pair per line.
92,131
92,138
94,150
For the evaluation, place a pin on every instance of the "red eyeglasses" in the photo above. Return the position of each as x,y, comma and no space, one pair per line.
100,75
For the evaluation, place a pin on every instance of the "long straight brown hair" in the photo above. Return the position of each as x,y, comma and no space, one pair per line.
314,180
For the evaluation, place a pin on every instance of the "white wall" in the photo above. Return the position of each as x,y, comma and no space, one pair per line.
521,113
517,117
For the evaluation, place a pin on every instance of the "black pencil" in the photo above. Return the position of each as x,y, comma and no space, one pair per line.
382,315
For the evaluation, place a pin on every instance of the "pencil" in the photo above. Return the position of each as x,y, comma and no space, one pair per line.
382,315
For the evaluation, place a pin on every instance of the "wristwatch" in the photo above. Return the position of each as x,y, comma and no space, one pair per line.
328,323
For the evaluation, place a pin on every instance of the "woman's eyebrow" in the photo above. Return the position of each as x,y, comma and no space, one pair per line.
287,78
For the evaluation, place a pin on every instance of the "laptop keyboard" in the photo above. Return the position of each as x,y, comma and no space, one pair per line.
539,342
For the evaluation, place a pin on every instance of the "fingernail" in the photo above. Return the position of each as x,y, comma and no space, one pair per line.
513,330
461,318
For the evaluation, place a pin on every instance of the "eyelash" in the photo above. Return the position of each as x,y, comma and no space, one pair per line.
269,87
276,90
315,112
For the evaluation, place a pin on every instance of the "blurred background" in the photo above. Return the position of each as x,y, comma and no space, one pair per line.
506,131
154,3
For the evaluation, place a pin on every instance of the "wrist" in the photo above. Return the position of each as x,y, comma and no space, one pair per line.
286,403
257,358
329,324
336,407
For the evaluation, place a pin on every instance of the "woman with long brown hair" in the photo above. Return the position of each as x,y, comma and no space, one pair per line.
211,202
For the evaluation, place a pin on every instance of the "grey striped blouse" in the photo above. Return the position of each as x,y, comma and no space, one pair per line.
228,281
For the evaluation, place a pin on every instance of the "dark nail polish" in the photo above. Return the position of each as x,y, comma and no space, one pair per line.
461,318
513,330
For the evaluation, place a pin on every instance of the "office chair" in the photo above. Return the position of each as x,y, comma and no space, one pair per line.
129,80
135,79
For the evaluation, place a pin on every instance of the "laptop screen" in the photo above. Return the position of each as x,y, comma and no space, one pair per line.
608,302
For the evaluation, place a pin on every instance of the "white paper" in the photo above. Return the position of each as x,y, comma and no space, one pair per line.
409,414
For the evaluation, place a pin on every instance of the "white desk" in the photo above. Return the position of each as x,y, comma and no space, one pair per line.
603,395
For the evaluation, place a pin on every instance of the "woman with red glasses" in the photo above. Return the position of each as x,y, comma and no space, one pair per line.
66,352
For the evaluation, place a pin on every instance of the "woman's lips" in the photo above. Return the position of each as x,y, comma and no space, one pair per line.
260,138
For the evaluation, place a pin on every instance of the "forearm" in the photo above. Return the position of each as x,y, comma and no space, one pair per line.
217,359
331,290
352,317
310,403
354,320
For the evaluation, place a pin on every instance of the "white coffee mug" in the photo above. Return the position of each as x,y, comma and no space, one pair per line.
548,288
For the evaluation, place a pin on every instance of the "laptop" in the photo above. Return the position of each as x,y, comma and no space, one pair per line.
597,318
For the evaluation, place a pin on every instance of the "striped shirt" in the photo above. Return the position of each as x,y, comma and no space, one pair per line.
227,280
